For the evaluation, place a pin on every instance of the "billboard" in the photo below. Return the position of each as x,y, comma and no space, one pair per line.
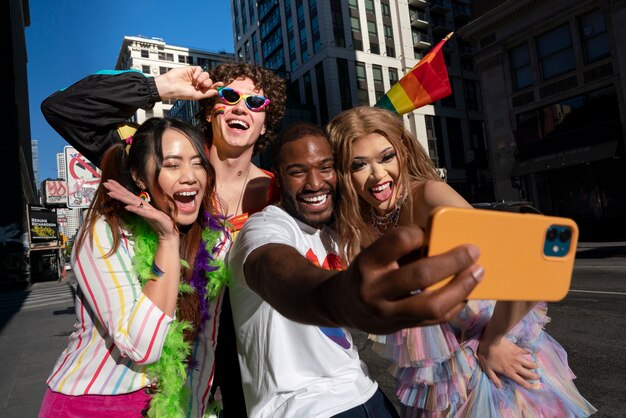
54,192
83,178
43,227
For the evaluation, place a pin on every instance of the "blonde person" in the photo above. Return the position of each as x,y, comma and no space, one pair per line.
240,106
492,359
140,301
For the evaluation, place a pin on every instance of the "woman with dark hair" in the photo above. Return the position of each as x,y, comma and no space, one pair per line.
492,359
241,106
148,269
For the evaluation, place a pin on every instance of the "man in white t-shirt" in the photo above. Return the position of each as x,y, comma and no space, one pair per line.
291,293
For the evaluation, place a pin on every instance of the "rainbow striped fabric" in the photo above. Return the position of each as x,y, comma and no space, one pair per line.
425,83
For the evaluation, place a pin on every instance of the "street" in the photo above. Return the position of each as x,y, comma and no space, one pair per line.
590,323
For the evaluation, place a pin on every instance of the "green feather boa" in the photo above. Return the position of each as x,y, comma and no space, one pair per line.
170,372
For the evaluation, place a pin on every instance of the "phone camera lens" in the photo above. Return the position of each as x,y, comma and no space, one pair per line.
552,234
565,235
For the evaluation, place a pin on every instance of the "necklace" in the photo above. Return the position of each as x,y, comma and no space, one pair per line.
382,222
243,189
209,276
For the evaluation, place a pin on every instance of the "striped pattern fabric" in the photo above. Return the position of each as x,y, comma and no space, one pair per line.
425,83
119,330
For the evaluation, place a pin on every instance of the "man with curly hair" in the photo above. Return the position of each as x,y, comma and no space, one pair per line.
240,106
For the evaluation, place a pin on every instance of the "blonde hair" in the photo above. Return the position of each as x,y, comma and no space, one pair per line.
415,166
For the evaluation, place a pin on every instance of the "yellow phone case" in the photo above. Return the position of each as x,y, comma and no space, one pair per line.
512,251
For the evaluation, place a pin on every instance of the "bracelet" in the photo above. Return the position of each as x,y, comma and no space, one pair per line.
158,273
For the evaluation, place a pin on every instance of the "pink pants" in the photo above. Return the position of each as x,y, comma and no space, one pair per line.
134,404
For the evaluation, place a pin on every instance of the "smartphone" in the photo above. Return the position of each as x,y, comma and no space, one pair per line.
526,256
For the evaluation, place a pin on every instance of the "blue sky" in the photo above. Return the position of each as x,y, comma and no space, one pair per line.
70,39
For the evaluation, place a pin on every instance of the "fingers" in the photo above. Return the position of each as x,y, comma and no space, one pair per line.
436,306
494,378
457,264
394,245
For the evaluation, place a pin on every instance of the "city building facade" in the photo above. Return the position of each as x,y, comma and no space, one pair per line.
16,158
338,54
553,81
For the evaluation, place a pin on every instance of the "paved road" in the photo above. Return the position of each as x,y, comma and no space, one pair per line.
590,323
34,325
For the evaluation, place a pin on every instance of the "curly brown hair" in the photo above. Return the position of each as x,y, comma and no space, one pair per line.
274,88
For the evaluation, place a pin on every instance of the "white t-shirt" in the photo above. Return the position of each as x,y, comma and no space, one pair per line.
289,369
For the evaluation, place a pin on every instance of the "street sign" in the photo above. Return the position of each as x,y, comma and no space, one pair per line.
83,178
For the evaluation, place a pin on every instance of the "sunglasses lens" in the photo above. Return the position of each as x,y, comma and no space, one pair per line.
255,102
229,95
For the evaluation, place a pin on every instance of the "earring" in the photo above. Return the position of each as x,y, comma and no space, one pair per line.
143,195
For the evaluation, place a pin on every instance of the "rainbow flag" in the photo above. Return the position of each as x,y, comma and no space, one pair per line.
425,83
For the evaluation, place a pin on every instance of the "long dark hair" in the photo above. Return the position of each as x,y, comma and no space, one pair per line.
120,164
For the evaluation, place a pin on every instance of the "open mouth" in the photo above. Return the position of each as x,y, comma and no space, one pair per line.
238,124
316,202
186,200
382,191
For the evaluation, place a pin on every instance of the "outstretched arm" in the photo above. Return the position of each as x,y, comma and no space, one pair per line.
496,354
375,294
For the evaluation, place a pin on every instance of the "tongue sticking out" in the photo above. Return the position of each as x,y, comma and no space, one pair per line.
185,202
383,194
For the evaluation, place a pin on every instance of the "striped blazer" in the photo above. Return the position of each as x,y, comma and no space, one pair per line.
119,330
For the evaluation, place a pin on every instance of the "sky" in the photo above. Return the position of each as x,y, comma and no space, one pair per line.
70,39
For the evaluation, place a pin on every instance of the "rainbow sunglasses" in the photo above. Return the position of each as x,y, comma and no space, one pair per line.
253,102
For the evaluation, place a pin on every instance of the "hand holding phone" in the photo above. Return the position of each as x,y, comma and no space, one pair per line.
525,256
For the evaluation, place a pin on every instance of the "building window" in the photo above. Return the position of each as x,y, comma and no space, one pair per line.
594,36
470,91
555,51
379,87
145,53
353,4
369,6
337,16
321,93
204,62
344,83
371,28
251,8
520,67
361,82
435,149
576,121
393,76
388,31
184,59
384,7
163,56
145,69
457,152
355,24
163,70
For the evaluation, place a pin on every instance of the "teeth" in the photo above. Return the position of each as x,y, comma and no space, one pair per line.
316,200
187,193
241,123
381,187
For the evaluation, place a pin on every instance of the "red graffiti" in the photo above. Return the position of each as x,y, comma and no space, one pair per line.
56,188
